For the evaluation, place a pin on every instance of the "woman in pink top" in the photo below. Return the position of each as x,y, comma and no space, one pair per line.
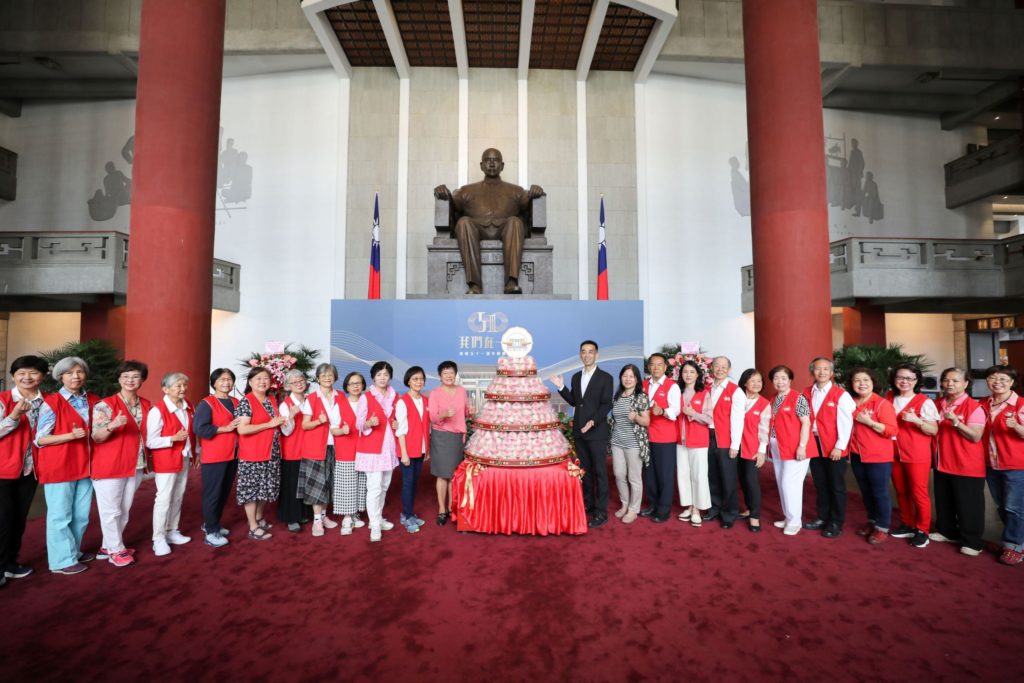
449,408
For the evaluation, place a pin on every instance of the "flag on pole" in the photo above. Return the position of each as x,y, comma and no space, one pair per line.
373,290
602,260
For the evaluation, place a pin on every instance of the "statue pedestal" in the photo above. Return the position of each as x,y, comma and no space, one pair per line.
446,278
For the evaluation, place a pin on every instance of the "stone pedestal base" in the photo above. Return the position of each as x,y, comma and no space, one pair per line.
446,277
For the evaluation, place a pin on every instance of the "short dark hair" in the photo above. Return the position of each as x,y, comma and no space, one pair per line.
30,363
412,372
348,378
133,366
381,365
657,354
909,367
745,377
636,373
588,341
860,370
699,384
780,368
1002,370
447,364
215,375
960,371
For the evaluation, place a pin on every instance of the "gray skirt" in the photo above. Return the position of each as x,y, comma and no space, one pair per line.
445,453
315,479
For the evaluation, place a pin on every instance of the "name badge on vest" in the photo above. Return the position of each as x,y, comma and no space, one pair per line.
756,412
787,409
726,398
831,404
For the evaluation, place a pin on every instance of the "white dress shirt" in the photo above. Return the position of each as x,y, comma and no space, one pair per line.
844,413
155,425
674,397
585,378
332,409
736,412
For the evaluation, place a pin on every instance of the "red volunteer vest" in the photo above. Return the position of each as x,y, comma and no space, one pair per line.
220,448
169,460
912,445
318,437
826,420
954,453
419,429
751,419
16,443
866,442
1009,453
257,447
661,429
66,461
298,444
693,434
787,427
345,446
722,415
374,441
118,456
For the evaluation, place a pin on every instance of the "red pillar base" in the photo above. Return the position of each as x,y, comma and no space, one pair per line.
103,320
864,324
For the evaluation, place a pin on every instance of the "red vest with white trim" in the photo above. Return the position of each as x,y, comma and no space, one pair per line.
749,442
374,441
912,445
257,447
169,460
417,440
955,453
69,461
661,429
787,427
220,448
826,420
722,415
693,434
298,444
865,441
118,456
345,446
1009,451
17,442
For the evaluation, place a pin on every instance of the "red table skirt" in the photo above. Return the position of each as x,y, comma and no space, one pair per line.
508,500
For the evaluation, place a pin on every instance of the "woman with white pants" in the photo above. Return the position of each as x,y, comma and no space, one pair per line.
169,438
375,449
790,430
694,438
119,458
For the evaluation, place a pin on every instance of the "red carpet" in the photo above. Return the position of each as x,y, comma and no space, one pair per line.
645,601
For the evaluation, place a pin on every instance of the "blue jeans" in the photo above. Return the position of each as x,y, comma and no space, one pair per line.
67,514
410,476
873,480
1007,488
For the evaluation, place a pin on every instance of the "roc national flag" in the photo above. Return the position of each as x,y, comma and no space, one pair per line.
602,260
373,290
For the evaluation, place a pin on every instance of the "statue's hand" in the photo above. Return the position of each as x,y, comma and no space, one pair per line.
536,191
442,192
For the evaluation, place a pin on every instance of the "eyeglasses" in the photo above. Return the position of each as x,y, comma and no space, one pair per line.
906,378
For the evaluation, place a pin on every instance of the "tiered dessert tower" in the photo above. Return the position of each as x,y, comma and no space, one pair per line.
517,427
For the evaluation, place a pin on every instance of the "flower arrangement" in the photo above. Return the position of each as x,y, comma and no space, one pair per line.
302,359
680,353
565,426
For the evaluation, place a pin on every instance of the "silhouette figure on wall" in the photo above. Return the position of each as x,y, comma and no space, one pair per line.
116,192
847,185
872,207
855,174
234,175
740,188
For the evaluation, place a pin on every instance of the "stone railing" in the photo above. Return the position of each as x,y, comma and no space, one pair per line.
73,266
918,274
993,169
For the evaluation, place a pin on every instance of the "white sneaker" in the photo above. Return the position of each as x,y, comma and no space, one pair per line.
781,524
346,526
791,530
328,522
175,537
385,525
215,540
969,552
357,521
374,535
939,538
160,548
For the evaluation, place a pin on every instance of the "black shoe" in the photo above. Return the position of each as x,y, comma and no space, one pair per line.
597,521
712,516
647,512
902,531
726,525
442,518
755,529
814,525
659,519
17,571
920,539
832,531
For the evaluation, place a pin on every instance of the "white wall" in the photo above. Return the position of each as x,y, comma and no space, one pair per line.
930,334
32,333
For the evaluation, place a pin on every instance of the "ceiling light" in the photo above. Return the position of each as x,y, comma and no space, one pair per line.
997,117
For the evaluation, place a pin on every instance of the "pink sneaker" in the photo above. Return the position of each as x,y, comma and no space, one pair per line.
328,522
121,559
318,528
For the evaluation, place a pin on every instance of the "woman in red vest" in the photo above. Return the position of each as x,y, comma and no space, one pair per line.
216,428
412,413
19,411
62,465
259,451
790,431
172,446
295,449
757,418
1004,439
375,450
871,450
323,426
692,448
959,466
349,485
119,458
917,421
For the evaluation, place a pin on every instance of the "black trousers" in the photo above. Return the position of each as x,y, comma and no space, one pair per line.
218,478
660,477
960,508
722,480
750,480
291,510
15,499
829,487
593,455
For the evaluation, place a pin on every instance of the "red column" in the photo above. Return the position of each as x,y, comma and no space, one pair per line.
103,319
864,324
789,215
170,250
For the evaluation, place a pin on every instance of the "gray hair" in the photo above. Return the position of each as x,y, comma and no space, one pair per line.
67,364
960,371
172,378
725,358
292,374
831,363
327,367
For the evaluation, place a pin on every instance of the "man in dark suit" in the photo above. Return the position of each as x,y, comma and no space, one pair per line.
591,397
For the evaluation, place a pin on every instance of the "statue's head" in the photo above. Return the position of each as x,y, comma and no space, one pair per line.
491,163
109,166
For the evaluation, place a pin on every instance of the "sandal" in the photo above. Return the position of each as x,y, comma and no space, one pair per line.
685,516
258,534
263,524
